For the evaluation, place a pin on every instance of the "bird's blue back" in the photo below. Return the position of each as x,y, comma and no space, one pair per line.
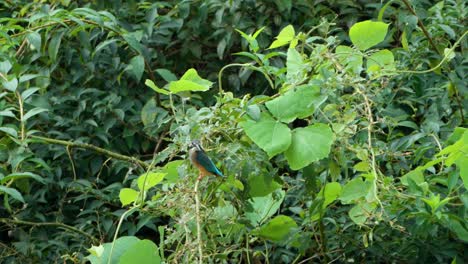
206,162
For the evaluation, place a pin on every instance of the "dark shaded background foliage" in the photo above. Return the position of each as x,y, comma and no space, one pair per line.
96,95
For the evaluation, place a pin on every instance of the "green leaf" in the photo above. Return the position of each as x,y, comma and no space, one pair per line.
284,37
354,190
460,230
277,228
151,112
54,46
121,245
462,163
367,34
415,175
12,192
296,68
254,112
190,81
259,209
142,252
10,131
360,212
153,86
128,196
7,112
299,102
350,58
329,193
133,42
5,66
102,45
167,75
449,54
27,93
21,175
10,85
261,185
34,39
270,135
138,66
33,112
171,168
309,144
380,61
150,179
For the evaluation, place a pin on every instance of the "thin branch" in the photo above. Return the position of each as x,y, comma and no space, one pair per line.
421,25
152,78
21,109
197,212
62,225
93,148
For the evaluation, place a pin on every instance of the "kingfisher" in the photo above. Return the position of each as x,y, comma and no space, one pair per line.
199,158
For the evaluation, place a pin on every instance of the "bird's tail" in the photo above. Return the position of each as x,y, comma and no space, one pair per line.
219,173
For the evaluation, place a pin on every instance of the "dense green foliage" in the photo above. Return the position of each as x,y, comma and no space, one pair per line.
340,126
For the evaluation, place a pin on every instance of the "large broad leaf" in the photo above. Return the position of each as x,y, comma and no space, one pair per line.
380,62
354,190
171,168
300,102
153,86
328,194
261,185
284,37
350,58
309,144
271,135
278,228
150,179
100,254
142,252
360,212
127,196
367,34
190,81
259,209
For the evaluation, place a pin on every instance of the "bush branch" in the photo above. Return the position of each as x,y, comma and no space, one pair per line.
57,224
105,152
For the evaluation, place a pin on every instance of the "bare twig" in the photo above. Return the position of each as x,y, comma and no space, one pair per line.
93,148
197,212
58,224
421,25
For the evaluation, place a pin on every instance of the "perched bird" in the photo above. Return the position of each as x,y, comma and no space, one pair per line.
204,164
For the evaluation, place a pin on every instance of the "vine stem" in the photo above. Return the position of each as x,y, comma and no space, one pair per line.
370,121
197,213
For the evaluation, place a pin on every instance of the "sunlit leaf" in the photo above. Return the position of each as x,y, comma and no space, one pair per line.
367,34
150,179
142,252
284,37
128,196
